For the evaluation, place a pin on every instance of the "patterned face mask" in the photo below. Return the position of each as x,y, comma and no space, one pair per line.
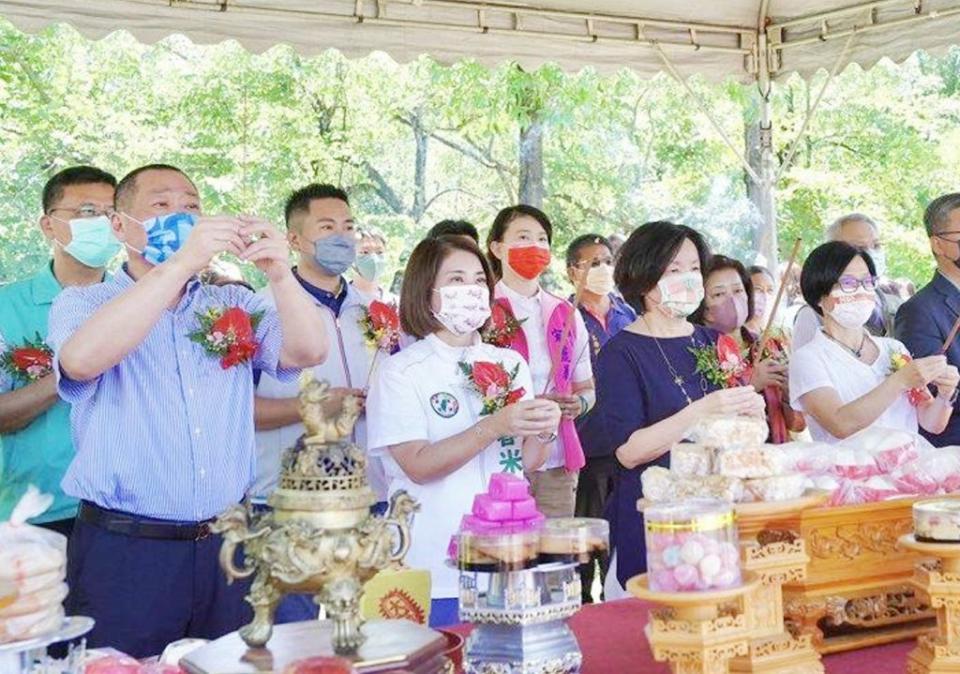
166,234
681,294
463,308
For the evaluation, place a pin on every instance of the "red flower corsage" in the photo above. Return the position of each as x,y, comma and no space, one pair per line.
722,365
28,362
229,334
381,326
917,396
502,328
493,383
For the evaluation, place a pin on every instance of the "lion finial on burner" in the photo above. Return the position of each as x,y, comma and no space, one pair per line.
313,395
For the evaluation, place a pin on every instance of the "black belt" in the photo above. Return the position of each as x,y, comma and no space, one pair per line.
138,527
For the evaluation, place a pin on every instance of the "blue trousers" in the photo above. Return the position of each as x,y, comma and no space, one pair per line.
145,593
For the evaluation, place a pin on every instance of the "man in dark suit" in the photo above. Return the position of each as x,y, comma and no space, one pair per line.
925,320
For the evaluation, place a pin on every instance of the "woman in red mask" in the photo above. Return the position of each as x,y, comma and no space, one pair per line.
550,334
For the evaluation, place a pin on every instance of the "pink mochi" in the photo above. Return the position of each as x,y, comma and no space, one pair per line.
663,581
686,576
726,578
476,525
525,509
506,487
490,509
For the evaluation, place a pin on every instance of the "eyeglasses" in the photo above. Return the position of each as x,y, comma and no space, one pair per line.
850,284
944,235
85,211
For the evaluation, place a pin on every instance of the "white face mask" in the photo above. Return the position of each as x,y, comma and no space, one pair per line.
852,311
680,294
463,308
599,280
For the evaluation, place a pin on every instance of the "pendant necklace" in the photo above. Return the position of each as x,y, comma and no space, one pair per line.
677,377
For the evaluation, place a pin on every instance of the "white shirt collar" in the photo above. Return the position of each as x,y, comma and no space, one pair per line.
516,297
444,350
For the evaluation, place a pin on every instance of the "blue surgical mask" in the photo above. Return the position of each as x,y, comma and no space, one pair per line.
335,254
370,266
92,242
166,234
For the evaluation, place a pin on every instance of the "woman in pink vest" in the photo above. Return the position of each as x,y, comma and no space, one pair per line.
551,336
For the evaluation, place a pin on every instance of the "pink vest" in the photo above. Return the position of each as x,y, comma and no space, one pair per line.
555,313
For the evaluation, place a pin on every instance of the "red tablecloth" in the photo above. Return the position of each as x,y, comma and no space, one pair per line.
612,640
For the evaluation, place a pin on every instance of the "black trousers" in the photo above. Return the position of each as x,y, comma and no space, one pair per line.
597,479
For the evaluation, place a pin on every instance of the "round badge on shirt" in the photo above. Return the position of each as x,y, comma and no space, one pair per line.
444,404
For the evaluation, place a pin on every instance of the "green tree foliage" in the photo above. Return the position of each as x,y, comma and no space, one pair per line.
420,142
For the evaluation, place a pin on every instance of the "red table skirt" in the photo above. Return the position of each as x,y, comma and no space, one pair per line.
612,640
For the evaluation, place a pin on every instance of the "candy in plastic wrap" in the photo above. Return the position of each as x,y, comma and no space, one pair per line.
752,462
657,484
729,431
854,464
717,487
932,473
690,460
777,488
876,488
809,458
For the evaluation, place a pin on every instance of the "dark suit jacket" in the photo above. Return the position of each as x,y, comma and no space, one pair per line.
923,323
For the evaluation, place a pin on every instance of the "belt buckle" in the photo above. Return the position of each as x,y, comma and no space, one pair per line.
203,531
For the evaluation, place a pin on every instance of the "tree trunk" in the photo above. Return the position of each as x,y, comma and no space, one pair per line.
421,138
756,133
531,163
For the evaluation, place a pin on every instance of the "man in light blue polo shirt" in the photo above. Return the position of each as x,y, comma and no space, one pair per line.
158,369
34,421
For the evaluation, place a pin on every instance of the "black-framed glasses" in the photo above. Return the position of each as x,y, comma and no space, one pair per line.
850,284
85,211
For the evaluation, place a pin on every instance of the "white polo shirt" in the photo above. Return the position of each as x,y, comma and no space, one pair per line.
421,393
529,311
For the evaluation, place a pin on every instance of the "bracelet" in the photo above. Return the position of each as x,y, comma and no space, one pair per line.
584,405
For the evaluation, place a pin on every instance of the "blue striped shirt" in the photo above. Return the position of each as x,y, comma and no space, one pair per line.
167,433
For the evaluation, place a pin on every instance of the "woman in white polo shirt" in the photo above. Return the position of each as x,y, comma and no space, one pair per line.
425,416
519,250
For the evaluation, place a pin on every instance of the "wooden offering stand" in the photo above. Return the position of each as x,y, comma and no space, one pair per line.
699,632
774,557
938,583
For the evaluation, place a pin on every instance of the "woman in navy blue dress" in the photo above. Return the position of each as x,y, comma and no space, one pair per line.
649,393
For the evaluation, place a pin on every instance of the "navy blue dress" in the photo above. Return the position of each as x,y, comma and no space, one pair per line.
636,389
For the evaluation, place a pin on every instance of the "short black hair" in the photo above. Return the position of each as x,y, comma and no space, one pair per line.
502,222
454,227
581,242
647,253
938,212
760,269
824,267
299,201
720,263
74,175
128,182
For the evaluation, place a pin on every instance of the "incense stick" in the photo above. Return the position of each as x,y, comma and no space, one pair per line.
776,303
952,336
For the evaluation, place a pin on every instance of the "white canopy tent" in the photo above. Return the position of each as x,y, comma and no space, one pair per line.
754,41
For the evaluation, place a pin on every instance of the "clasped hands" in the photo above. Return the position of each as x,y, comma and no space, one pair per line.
248,237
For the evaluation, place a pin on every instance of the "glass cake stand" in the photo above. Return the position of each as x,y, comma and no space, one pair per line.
18,657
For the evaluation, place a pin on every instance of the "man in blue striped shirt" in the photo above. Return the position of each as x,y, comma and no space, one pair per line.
163,429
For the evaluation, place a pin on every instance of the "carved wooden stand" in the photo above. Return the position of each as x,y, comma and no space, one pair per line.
773,648
939,584
700,632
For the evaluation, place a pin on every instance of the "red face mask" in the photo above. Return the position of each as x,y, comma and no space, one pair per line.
528,261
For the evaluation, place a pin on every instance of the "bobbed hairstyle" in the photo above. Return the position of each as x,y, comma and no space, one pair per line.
824,267
502,222
721,263
647,253
420,277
